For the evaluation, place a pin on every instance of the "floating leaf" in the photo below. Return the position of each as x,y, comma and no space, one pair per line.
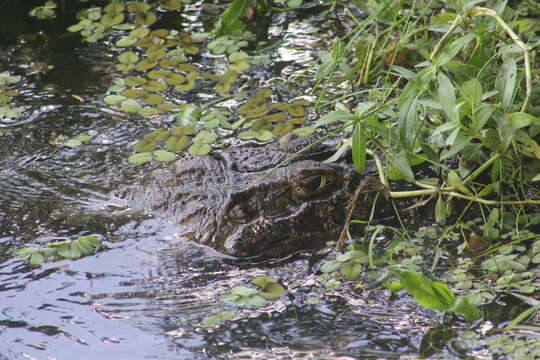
138,6
269,288
163,155
144,146
205,137
145,64
157,135
155,86
217,318
140,158
72,143
176,143
114,99
304,131
153,99
133,93
296,110
148,111
183,130
134,81
199,149
131,106
147,18
282,129
126,41
191,114
264,135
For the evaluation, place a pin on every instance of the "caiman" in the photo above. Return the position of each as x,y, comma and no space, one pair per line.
232,202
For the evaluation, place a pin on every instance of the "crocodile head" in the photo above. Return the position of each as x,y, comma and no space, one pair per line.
233,203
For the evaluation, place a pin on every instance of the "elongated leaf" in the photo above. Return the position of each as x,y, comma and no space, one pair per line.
230,20
359,145
472,91
429,293
451,50
506,81
447,97
440,211
408,123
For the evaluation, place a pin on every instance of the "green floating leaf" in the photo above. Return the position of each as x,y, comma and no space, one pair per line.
351,270
163,155
191,114
114,99
157,135
199,149
144,145
131,106
217,318
270,289
331,266
72,143
304,131
243,291
140,158
205,137
176,143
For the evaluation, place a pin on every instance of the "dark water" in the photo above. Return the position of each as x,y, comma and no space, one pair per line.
144,296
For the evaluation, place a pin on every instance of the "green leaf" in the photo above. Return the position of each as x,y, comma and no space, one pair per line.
466,308
163,155
335,116
400,168
359,146
36,258
72,143
114,99
217,318
451,50
176,143
506,81
230,19
140,158
205,137
66,250
304,131
243,291
472,91
330,266
144,145
455,181
191,114
351,270
199,149
272,291
131,106
447,97
440,211
431,294
255,300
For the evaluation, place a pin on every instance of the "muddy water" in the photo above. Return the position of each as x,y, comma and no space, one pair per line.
145,294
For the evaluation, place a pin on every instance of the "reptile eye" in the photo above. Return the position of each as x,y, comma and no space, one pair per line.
315,183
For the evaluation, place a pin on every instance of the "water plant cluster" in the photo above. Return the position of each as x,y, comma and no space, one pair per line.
439,94
8,109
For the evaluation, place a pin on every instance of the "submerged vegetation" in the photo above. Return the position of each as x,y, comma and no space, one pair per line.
442,95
